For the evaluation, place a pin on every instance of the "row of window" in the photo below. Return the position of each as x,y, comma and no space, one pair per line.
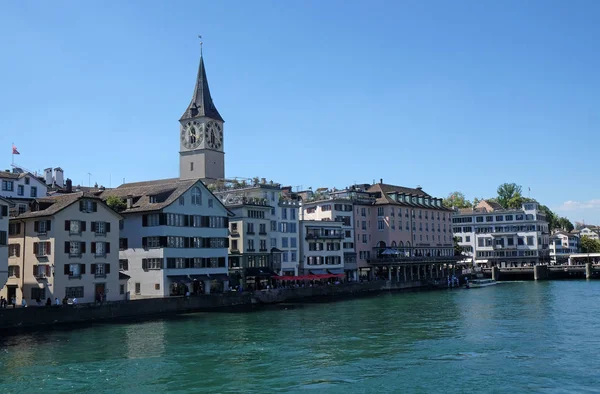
321,260
497,218
181,220
510,241
78,270
181,242
9,186
500,229
365,238
329,246
195,262
513,253
413,213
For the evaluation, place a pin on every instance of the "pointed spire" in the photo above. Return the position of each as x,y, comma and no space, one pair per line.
202,103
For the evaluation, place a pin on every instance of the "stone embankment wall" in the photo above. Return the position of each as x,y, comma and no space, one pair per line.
12,320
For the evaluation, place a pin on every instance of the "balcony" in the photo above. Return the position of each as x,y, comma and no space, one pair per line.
99,275
74,255
250,232
262,233
263,250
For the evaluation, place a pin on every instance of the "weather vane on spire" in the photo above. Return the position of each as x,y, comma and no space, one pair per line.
200,37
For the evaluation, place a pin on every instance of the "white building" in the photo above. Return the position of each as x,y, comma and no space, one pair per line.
338,210
590,232
282,230
21,188
562,245
321,251
4,208
493,236
174,237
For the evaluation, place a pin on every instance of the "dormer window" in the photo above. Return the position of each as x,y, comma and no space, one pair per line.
88,206
27,180
196,196
153,199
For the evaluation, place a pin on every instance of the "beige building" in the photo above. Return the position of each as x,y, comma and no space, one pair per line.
321,251
4,209
65,246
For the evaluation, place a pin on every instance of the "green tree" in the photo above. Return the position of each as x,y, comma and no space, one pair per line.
457,200
116,203
509,195
565,224
551,217
589,245
458,250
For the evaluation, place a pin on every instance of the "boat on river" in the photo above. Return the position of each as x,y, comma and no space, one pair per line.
476,283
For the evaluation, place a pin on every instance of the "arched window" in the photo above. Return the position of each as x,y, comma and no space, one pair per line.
196,196
393,244
381,244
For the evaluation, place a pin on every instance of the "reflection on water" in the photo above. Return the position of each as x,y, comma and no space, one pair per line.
541,335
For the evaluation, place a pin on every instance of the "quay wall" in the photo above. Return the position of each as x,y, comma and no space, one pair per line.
15,320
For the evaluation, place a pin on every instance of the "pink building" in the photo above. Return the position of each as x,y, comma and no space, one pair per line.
401,222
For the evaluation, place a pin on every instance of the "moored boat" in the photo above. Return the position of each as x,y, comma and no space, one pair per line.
475,283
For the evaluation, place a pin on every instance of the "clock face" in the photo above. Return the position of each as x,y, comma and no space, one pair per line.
214,135
191,134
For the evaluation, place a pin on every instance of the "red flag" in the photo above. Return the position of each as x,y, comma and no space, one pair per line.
15,151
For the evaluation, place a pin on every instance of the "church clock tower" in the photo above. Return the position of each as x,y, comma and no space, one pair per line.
201,135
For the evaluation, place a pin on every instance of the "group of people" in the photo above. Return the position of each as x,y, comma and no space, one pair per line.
4,303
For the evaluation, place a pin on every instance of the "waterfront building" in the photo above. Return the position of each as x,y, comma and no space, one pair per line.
64,246
275,230
562,245
333,205
321,249
173,237
4,220
21,188
493,236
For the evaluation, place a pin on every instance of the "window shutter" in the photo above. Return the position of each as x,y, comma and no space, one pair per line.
48,225
126,243
94,206
93,269
36,226
144,242
186,220
67,225
82,225
162,219
35,248
221,262
4,210
163,241
107,247
82,246
145,264
18,250
67,247
48,248
81,207
35,269
93,247
226,242
82,268
48,271
205,221
107,268
93,226
107,225
18,228
67,270
144,220
226,222
186,242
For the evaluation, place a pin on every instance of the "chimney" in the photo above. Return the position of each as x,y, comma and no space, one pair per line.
59,177
129,201
380,180
69,186
48,176
419,187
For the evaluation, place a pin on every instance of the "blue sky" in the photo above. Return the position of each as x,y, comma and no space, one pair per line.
450,95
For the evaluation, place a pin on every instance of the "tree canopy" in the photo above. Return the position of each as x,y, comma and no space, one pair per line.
509,195
589,245
116,203
457,200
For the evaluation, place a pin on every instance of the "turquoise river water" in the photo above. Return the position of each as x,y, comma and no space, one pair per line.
513,337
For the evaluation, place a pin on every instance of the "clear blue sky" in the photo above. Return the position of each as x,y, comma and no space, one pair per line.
450,95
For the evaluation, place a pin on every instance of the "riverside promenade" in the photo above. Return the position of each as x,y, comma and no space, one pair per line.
544,272
18,319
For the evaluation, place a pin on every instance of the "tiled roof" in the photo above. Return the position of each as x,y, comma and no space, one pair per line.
166,190
10,203
54,204
383,189
202,103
